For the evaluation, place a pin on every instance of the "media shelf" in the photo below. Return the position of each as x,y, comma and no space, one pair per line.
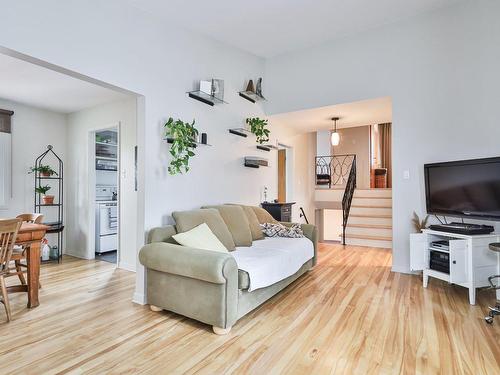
438,249
469,259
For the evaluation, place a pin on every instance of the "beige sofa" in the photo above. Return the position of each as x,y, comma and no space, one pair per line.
207,285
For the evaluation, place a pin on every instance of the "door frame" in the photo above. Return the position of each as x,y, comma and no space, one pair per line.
288,169
91,189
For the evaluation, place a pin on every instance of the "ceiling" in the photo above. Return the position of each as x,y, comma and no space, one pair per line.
33,85
271,27
366,112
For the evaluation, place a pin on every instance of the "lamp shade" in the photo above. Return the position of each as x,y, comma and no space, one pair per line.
335,139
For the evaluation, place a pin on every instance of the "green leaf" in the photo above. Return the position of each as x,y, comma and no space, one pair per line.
183,135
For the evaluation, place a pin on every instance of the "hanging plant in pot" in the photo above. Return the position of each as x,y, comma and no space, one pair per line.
46,199
44,171
183,136
258,127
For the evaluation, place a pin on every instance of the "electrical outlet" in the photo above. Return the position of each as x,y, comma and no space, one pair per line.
406,174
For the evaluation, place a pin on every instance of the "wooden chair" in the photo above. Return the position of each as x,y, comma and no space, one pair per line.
31,218
19,254
8,234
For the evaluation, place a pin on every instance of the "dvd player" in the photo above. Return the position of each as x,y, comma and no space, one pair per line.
441,244
462,228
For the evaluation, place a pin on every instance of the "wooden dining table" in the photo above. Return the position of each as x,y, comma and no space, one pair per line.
30,236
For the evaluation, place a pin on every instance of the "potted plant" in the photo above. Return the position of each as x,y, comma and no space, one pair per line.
418,224
183,136
44,170
258,127
46,199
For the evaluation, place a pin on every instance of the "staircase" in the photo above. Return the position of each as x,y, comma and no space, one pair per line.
370,219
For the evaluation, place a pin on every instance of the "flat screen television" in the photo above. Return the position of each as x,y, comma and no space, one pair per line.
467,188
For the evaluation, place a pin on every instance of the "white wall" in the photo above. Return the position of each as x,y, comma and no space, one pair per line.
440,69
80,238
356,140
140,53
303,151
323,145
332,225
32,130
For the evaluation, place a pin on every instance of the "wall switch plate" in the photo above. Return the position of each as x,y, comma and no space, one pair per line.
406,174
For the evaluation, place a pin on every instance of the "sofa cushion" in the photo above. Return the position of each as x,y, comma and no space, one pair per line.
271,260
263,216
200,237
186,220
237,223
279,230
253,221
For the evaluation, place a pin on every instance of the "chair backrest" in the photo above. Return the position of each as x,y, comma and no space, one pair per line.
31,218
8,234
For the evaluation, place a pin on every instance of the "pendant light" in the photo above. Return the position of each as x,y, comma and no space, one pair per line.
335,137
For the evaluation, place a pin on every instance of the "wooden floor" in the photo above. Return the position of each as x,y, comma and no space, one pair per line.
350,315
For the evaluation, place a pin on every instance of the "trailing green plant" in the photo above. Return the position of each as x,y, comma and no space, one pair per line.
258,127
418,224
183,136
44,170
42,189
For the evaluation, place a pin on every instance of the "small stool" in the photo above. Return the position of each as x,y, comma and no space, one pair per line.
493,310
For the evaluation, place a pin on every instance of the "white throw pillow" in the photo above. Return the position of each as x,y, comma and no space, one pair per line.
200,237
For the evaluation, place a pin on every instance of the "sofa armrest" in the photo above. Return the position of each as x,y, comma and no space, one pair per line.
311,232
211,266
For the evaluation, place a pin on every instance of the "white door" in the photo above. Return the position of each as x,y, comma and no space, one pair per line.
418,251
458,261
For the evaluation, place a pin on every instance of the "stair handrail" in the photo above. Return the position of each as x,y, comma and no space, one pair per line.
303,214
333,169
347,198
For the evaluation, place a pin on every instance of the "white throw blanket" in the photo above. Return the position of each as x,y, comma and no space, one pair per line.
273,259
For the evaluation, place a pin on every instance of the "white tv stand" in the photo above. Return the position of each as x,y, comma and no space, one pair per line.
471,261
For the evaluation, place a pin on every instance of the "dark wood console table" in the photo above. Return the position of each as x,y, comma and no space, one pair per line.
280,211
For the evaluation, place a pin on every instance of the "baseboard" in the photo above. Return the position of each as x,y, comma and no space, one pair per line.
126,266
139,298
79,256
402,269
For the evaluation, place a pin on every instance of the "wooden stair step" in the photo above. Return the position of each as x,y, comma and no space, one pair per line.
368,206
371,215
365,237
374,226
374,197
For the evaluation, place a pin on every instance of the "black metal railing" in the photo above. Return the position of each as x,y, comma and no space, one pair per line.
348,195
333,170
303,214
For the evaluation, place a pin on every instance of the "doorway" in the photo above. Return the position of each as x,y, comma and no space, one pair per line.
104,166
381,156
285,173
282,175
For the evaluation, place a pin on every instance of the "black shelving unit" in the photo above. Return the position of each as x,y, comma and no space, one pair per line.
194,144
251,96
241,132
263,148
56,227
254,162
205,98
